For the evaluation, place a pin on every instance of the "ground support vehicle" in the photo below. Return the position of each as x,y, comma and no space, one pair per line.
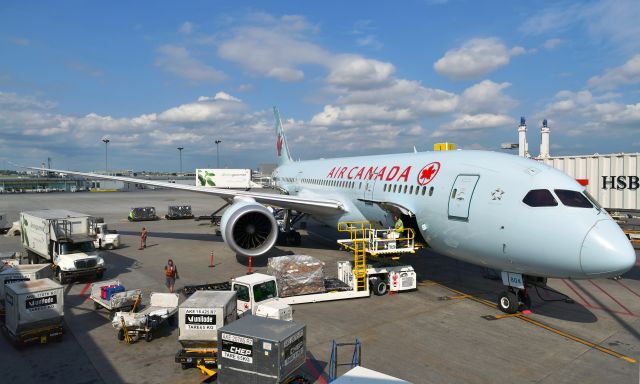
142,214
118,302
177,212
4,224
133,326
103,237
62,238
34,311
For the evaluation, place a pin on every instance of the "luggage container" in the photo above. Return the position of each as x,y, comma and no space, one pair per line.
199,318
260,350
142,214
176,212
34,311
23,272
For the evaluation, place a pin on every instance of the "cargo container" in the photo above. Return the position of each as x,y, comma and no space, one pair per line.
259,350
142,214
34,311
611,179
177,212
225,178
23,272
200,316
62,238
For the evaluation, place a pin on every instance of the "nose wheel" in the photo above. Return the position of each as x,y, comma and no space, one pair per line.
511,300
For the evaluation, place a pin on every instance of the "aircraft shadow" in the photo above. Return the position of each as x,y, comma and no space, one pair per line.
474,280
176,235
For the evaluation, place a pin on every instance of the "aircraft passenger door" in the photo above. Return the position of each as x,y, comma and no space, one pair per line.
460,196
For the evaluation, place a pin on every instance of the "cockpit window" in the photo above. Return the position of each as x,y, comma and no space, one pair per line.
592,200
573,198
540,198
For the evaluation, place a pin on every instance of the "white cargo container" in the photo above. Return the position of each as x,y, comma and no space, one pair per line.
200,316
23,272
34,310
62,238
611,179
225,178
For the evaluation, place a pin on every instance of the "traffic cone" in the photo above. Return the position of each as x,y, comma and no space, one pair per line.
211,260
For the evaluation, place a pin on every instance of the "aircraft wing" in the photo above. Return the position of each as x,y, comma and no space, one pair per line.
306,205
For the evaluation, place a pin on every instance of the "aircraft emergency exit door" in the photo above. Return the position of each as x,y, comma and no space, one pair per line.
460,197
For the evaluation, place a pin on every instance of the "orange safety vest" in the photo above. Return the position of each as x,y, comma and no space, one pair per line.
170,271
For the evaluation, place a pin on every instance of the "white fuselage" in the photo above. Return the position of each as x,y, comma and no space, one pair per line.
469,205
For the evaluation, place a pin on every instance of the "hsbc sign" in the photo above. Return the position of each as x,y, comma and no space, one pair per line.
620,182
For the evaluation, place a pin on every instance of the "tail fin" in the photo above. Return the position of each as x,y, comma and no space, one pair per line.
284,156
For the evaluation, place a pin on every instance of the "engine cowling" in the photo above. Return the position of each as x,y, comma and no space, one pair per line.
249,228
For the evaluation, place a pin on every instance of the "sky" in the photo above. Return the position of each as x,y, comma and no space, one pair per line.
350,78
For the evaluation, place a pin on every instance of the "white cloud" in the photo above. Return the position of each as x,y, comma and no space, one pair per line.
612,21
177,60
276,49
628,73
354,72
206,109
246,88
480,121
186,28
551,43
486,96
475,58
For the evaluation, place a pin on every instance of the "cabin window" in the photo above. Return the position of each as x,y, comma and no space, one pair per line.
540,198
384,188
405,189
411,190
394,188
417,190
573,198
360,187
424,189
431,191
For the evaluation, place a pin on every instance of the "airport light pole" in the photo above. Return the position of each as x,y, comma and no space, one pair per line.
106,145
218,152
180,149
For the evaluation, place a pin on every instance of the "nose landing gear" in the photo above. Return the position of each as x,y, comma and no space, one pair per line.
516,296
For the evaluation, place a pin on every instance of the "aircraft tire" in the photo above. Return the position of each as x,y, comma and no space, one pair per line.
508,302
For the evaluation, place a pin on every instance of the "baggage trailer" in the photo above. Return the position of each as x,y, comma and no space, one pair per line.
118,302
132,326
62,238
34,311
199,318
260,350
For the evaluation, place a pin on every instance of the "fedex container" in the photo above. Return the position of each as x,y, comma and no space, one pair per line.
200,316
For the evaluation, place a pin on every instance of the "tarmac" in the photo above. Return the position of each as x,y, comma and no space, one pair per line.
448,331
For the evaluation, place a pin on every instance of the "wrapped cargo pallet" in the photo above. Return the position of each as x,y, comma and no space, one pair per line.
297,274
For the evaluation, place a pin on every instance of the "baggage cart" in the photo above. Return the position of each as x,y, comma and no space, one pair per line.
118,302
133,326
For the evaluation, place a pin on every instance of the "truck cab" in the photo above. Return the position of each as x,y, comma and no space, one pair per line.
103,238
258,295
76,258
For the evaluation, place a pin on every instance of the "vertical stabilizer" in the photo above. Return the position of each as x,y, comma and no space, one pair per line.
282,149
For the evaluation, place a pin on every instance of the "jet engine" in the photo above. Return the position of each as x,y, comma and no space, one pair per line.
248,228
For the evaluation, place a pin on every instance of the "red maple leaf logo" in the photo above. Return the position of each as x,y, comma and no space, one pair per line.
428,173
279,145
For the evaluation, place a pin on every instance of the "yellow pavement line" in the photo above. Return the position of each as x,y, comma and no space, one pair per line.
539,324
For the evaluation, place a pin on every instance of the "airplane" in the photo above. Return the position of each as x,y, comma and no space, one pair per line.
504,212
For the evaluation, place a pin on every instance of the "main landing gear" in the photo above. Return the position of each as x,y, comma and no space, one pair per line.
516,296
286,219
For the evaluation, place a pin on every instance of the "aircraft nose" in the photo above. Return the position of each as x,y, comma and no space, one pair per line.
606,250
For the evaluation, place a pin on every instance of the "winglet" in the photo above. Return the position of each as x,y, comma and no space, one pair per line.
284,156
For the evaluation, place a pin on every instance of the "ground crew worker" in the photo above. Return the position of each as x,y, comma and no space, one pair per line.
143,238
399,226
170,274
